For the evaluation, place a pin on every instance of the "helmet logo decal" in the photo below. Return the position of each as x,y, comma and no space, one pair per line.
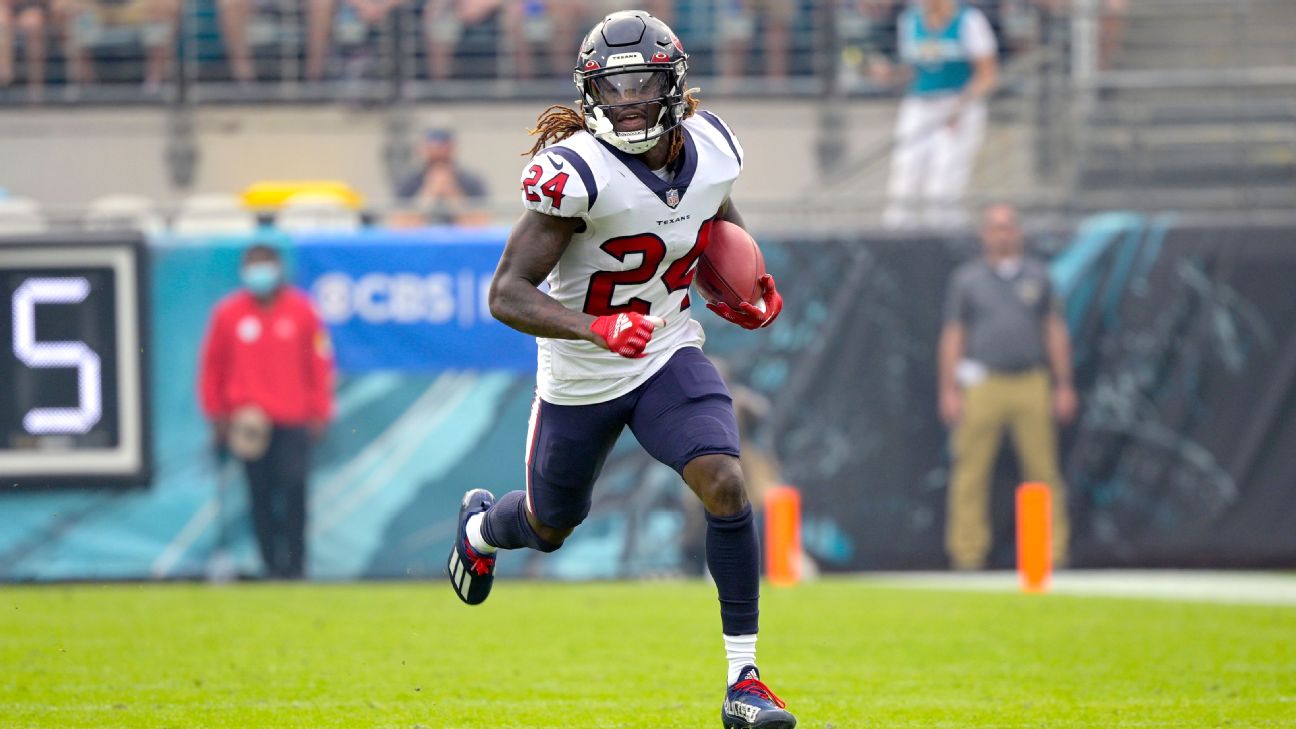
622,59
660,57
590,65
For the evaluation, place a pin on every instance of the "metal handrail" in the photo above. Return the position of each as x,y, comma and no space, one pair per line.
1231,78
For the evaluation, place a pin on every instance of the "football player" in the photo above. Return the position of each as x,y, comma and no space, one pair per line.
620,193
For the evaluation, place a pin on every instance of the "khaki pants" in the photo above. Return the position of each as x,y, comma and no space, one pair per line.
1023,403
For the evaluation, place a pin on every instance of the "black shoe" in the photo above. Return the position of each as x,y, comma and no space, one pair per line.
471,572
749,704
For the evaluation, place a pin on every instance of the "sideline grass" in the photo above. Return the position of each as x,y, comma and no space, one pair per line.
842,653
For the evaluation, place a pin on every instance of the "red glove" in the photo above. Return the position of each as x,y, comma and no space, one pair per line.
748,316
628,333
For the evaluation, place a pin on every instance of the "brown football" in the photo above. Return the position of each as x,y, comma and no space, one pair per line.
730,267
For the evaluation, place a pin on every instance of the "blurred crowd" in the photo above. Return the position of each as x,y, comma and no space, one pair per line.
40,39
257,45
75,43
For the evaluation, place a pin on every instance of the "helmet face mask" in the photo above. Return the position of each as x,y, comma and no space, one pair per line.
632,59
628,88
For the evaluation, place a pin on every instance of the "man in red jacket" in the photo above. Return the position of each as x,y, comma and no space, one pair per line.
266,381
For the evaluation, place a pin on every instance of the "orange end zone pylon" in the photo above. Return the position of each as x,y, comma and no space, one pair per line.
783,535
1034,536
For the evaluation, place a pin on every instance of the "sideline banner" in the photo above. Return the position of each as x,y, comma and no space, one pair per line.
411,300
1184,454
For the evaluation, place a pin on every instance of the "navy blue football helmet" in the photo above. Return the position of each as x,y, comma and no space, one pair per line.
631,59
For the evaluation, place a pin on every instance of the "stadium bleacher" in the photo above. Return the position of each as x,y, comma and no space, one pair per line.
1153,125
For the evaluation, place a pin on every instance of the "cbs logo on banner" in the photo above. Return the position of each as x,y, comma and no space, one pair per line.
403,298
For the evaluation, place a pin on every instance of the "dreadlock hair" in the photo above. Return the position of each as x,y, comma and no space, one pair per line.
559,122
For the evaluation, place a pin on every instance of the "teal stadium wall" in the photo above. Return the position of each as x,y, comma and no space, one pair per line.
1185,358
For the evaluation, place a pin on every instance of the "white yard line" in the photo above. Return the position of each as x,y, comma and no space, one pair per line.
1254,588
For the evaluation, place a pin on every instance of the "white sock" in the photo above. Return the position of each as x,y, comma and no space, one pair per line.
741,651
475,538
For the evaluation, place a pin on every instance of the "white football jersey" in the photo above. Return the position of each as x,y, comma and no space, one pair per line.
637,251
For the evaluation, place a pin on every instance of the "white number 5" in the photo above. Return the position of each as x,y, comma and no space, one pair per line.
45,355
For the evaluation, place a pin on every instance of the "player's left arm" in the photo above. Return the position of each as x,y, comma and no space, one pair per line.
747,315
729,212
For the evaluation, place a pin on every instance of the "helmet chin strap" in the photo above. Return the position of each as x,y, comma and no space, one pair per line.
601,126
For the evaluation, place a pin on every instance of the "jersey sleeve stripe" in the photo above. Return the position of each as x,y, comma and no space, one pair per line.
582,169
715,122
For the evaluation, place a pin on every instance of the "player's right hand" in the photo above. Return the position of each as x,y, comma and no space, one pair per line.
748,316
627,333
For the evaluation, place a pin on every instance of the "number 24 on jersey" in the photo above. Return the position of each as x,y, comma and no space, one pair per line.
553,189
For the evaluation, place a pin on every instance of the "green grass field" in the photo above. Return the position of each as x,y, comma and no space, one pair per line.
843,653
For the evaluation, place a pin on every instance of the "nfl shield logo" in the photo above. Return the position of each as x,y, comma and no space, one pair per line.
672,197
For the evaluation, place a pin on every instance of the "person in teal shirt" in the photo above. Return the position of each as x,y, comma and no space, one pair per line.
950,53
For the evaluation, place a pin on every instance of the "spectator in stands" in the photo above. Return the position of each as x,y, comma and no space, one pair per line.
444,22
441,192
866,29
556,26
235,16
1003,336
1111,31
737,26
357,27
950,52
1111,23
32,20
1019,24
153,20
265,382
